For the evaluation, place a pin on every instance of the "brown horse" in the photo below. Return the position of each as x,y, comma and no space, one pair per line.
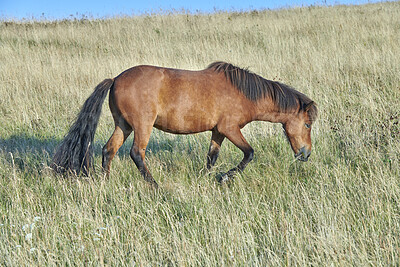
221,98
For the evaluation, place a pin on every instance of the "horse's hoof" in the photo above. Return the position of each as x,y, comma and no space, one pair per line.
224,178
154,185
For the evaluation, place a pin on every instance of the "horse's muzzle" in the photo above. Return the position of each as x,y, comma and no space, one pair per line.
303,154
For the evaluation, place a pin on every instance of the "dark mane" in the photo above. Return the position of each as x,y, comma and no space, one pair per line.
255,87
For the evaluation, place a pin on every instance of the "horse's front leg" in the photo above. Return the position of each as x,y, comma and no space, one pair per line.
238,140
215,146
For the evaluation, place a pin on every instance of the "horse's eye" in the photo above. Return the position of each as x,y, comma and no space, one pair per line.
307,125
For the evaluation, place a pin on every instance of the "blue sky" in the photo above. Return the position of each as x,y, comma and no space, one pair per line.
59,9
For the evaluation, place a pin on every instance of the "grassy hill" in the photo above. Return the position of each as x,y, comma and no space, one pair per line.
340,208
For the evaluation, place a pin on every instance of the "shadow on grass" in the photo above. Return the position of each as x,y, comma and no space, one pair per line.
22,143
28,152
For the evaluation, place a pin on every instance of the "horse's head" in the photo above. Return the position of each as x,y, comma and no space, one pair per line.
298,130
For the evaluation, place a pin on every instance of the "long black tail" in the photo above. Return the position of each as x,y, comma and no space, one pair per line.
75,153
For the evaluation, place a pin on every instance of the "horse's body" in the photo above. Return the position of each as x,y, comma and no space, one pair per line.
222,98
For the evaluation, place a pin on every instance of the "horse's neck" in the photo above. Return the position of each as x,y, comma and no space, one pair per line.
267,111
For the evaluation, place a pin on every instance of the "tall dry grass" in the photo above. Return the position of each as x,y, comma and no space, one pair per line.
340,208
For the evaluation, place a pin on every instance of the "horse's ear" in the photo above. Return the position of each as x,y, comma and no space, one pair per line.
308,106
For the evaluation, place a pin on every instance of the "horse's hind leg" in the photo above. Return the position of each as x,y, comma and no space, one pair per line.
138,151
215,145
114,143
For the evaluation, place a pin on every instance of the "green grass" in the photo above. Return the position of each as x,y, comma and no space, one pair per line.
340,208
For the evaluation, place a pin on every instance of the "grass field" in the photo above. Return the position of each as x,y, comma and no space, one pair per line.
341,208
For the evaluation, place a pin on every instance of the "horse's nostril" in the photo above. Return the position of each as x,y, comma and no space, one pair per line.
307,153
303,154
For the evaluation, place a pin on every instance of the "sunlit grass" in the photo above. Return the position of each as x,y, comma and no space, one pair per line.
340,208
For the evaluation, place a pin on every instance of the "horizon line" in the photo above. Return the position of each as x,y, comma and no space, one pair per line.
167,12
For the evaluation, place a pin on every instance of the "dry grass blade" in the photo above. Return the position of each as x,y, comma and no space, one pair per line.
340,208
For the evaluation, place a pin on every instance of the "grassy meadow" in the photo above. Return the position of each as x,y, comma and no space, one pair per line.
340,208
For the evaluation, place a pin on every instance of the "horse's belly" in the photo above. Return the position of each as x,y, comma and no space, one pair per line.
184,123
